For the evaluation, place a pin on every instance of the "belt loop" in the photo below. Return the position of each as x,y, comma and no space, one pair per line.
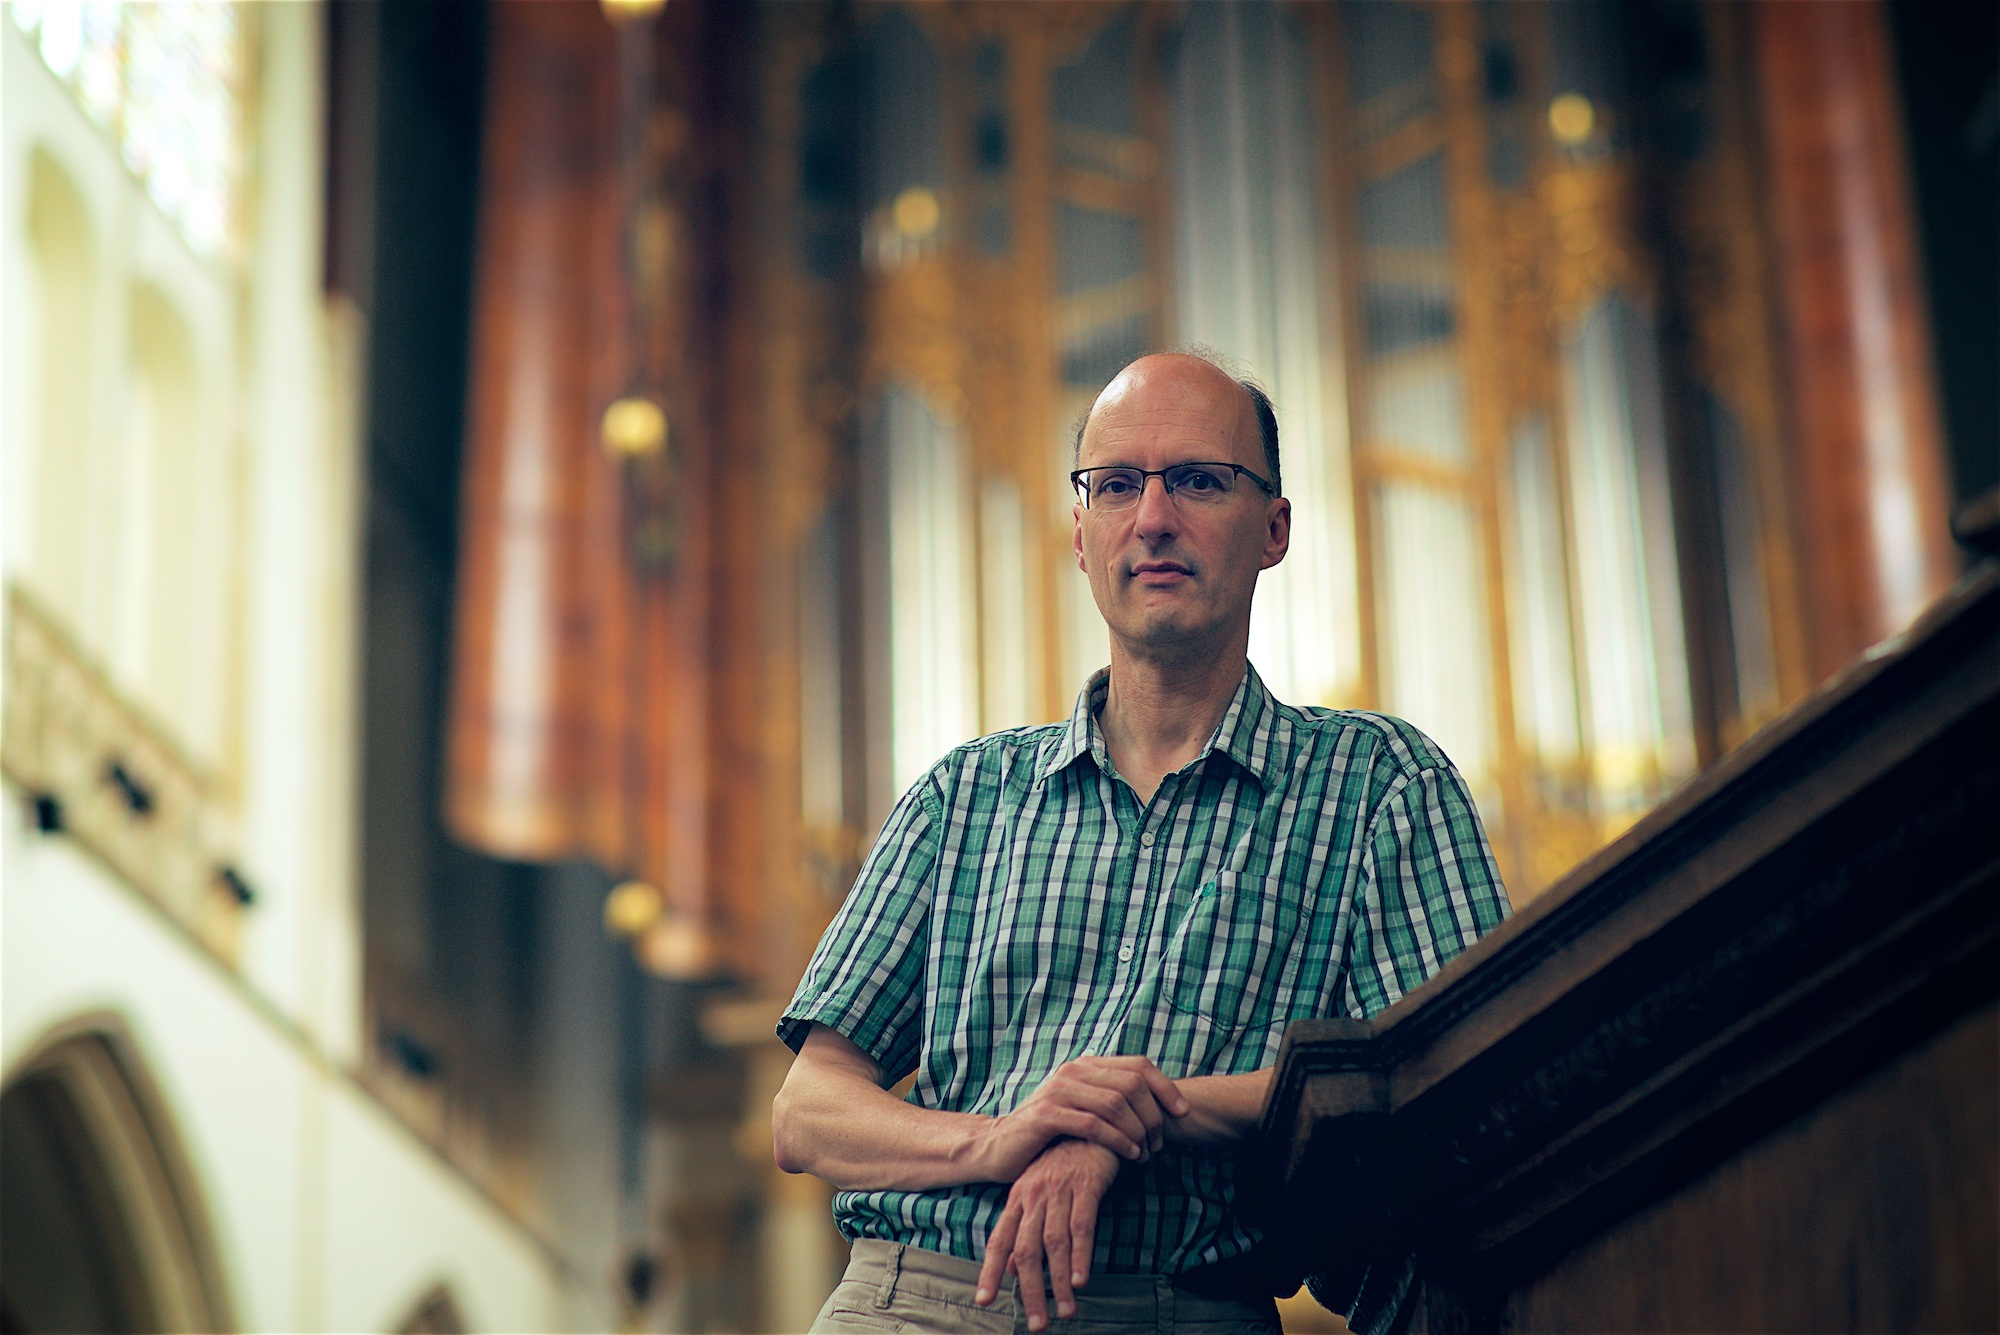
1163,1305
887,1293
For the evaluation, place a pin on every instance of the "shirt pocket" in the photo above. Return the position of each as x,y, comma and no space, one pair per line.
1223,964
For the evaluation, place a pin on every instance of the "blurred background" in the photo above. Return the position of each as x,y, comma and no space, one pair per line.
499,498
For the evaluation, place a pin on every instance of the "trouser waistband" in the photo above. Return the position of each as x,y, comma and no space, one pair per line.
1140,1300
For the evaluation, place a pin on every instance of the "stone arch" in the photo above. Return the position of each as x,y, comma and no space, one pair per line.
436,1313
102,1225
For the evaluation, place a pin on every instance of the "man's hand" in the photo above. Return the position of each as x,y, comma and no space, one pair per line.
1051,1212
1121,1103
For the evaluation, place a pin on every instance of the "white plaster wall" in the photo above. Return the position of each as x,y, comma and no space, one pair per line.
300,559
135,245
329,1214
275,391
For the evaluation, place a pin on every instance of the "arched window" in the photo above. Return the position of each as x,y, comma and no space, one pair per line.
100,1225
171,590
64,293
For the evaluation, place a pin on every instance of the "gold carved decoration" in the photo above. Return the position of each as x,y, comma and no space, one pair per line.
1589,206
913,335
100,771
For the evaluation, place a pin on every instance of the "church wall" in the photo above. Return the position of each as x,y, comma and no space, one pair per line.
80,525
298,553
328,1213
182,514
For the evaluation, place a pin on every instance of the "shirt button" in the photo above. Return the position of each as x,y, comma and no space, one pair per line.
1124,954
1147,838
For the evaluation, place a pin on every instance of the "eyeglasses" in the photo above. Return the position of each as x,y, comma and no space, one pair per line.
1121,488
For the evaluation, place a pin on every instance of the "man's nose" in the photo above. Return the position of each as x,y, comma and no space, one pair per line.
1156,514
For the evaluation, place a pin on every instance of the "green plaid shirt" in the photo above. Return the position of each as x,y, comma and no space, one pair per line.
1021,908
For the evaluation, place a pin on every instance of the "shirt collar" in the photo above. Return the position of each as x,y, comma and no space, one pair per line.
1080,736
1244,735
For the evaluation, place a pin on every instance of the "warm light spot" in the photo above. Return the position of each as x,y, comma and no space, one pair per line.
618,11
634,426
1571,118
632,907
916,212
676,946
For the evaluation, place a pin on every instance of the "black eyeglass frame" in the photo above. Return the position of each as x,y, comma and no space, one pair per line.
1077,475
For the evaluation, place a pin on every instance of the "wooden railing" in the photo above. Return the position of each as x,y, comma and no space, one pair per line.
1739,1071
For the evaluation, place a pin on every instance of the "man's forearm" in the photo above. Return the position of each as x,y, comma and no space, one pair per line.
1222,1109
836,1123
834,1120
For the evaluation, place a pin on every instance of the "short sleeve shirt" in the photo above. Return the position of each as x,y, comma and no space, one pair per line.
1021,907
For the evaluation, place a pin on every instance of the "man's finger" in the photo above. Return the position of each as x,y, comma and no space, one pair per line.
1082,1125
1163,1090
1166,1091
1129,1087
998,1244
1110,1103
1055,1245
1026,1262
1082,1236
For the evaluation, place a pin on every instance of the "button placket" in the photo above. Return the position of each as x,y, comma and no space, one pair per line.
1142,875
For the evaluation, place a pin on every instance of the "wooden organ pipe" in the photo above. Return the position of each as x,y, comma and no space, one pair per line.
604,694
536,732
1870,471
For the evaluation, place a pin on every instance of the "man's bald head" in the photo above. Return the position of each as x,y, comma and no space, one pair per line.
1175,574
1261,420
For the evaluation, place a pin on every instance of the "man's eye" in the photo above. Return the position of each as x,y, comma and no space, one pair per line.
1200,479
1114,486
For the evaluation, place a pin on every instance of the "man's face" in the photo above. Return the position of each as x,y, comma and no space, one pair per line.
1171,572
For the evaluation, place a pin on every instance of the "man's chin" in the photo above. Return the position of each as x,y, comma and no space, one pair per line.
1163,628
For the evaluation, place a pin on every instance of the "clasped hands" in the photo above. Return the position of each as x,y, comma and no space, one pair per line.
1061,1150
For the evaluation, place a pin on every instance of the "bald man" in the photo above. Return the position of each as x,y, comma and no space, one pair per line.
1086,939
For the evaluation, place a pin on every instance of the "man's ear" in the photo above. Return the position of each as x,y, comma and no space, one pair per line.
1277,533
1076,535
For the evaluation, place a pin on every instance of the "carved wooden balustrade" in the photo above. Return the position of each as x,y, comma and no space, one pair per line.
1739,1071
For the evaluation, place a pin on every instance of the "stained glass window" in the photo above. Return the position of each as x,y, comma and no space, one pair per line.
163,80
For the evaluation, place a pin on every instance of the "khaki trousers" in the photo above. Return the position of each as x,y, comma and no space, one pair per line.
890,1287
